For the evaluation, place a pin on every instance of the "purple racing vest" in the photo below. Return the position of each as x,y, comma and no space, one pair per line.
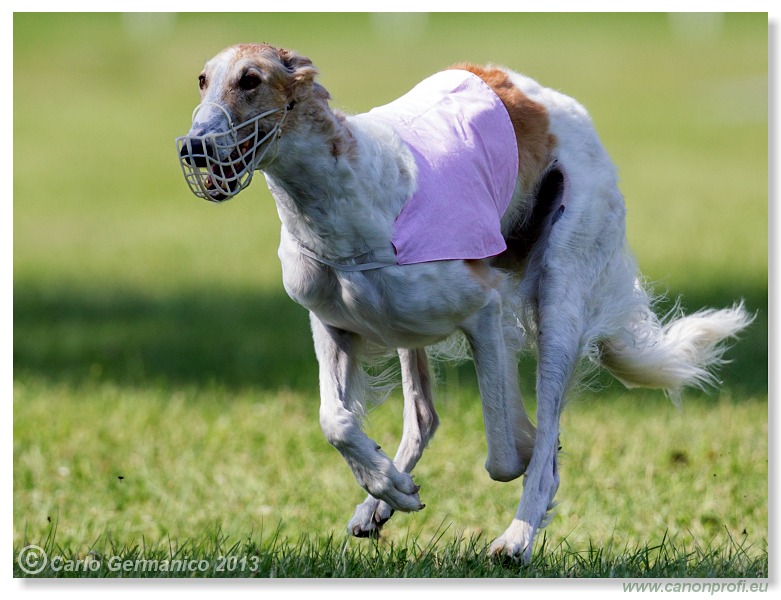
466,154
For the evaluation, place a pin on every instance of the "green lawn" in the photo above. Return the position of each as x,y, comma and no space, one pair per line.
165,388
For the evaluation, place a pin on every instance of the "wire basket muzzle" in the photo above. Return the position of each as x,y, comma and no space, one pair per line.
217,166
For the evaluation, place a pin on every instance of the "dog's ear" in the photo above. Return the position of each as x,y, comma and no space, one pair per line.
302,73
299,67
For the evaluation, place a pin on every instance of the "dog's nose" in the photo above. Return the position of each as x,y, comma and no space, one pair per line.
195,152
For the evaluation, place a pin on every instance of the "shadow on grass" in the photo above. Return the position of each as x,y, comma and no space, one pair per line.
194,337
243,339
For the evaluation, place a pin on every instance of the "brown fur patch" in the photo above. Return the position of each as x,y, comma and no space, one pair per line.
244,50
288,80
480,271
529,119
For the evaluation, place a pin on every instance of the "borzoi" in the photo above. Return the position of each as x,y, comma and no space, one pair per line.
481,203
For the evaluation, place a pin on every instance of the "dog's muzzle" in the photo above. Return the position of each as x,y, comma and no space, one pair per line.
217,166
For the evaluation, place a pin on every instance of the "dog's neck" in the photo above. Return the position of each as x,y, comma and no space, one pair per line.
323,180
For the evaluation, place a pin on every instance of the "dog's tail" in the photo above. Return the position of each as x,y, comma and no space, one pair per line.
673,352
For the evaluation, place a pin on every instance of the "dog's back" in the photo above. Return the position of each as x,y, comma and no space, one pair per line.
559,150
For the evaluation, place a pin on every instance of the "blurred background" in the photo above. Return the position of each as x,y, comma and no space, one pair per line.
137,305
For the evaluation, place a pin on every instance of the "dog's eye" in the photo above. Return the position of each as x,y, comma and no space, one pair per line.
201,81
249,81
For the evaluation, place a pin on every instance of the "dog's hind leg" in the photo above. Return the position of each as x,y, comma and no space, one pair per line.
559,348
342,386
564,285
507,428
420,423
524,432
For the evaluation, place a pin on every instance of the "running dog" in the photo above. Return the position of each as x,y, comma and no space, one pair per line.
480,202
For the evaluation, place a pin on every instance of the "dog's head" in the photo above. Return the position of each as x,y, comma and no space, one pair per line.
247,92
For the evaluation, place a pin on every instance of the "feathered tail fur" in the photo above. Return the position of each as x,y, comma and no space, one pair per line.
675,351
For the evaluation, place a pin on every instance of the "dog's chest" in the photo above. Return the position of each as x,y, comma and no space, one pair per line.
394,307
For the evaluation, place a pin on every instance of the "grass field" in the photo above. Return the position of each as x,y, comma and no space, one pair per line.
165,388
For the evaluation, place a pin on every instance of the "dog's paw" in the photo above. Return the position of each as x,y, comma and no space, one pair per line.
515,542
397,490
369,518
385,482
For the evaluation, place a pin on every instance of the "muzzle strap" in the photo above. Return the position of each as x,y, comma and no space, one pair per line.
354,262
219,106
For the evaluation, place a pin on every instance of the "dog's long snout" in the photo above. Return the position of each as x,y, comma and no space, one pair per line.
195,152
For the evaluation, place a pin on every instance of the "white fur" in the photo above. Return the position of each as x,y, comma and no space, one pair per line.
578,294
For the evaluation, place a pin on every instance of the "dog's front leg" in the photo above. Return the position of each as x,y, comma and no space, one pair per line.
342,386
420,423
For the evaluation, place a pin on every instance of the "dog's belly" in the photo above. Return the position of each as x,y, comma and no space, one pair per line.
395,307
